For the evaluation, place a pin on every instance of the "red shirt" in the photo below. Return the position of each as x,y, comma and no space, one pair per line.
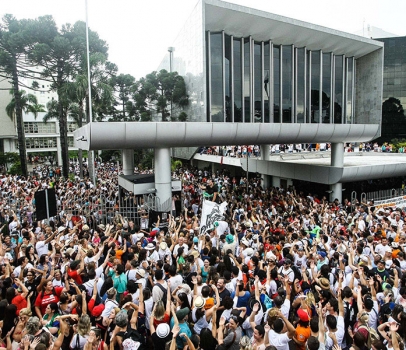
76,277
44,299
20,302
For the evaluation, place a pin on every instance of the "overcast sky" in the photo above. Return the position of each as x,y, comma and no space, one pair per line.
139,32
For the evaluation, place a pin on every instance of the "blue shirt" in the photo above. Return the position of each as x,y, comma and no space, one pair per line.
184,328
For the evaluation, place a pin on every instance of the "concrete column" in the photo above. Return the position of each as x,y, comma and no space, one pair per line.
337,154
58,151
337,192
265,152
266,181
163,182
337,160
128,161
213,168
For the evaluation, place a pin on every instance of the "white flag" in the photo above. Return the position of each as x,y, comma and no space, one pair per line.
211,212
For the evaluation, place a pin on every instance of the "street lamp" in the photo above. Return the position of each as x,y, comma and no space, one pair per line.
171,50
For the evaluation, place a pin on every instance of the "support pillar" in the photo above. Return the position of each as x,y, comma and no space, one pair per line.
337,160
128,161
163,181
337,154
265,152
266,181
337,192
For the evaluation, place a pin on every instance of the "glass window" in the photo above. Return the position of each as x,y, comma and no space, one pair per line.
326,94
300,87
258,83
237,59
266,84
338,89
216,86
247,80
40,128
40,142
350,66
287,71
276,84
72,126
227,63
315,87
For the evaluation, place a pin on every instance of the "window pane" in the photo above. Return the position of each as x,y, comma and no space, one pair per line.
315,87
237,81
247,81
227,58
300,112
266,86
257,83
216,60
349,89
276,84
326,88
338,89
287,84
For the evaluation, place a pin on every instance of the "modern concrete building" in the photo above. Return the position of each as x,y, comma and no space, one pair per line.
40,137
258,78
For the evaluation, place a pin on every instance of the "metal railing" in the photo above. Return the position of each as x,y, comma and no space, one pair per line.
383,194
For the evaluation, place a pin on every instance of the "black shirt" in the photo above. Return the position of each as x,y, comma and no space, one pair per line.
160,343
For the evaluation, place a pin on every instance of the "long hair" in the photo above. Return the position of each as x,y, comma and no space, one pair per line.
159,310
84,325
9,318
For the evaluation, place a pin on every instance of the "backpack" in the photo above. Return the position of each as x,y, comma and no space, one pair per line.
165,291
372,335
77,343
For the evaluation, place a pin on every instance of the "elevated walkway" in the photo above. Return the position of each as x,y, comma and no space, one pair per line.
315,166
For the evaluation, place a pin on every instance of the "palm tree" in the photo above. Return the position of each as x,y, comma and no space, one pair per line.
28,104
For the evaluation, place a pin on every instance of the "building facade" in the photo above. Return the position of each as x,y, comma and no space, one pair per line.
248,66
394,88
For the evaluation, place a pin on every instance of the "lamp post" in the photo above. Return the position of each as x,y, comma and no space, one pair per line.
171,50
90,154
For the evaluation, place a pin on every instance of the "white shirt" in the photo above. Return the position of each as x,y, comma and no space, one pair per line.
381,249
280,341
175,282
41,248
373,316
175,249
339,333
285,308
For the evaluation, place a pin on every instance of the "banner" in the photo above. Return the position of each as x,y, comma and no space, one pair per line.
392,202
211,212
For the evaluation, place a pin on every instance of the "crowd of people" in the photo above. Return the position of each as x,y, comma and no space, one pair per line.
243,151
278,270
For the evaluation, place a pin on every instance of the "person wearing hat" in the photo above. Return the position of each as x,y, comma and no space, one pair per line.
231,243
165,253
182,316
322,259
162,333
153,255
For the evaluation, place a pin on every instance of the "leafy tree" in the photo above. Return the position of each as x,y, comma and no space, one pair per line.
393,120
16,38
28,102
182,117
158,90
61,59
122,86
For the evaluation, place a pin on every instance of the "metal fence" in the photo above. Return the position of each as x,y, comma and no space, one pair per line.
103,209
383,194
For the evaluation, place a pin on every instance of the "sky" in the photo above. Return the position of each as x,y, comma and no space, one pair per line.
138,33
